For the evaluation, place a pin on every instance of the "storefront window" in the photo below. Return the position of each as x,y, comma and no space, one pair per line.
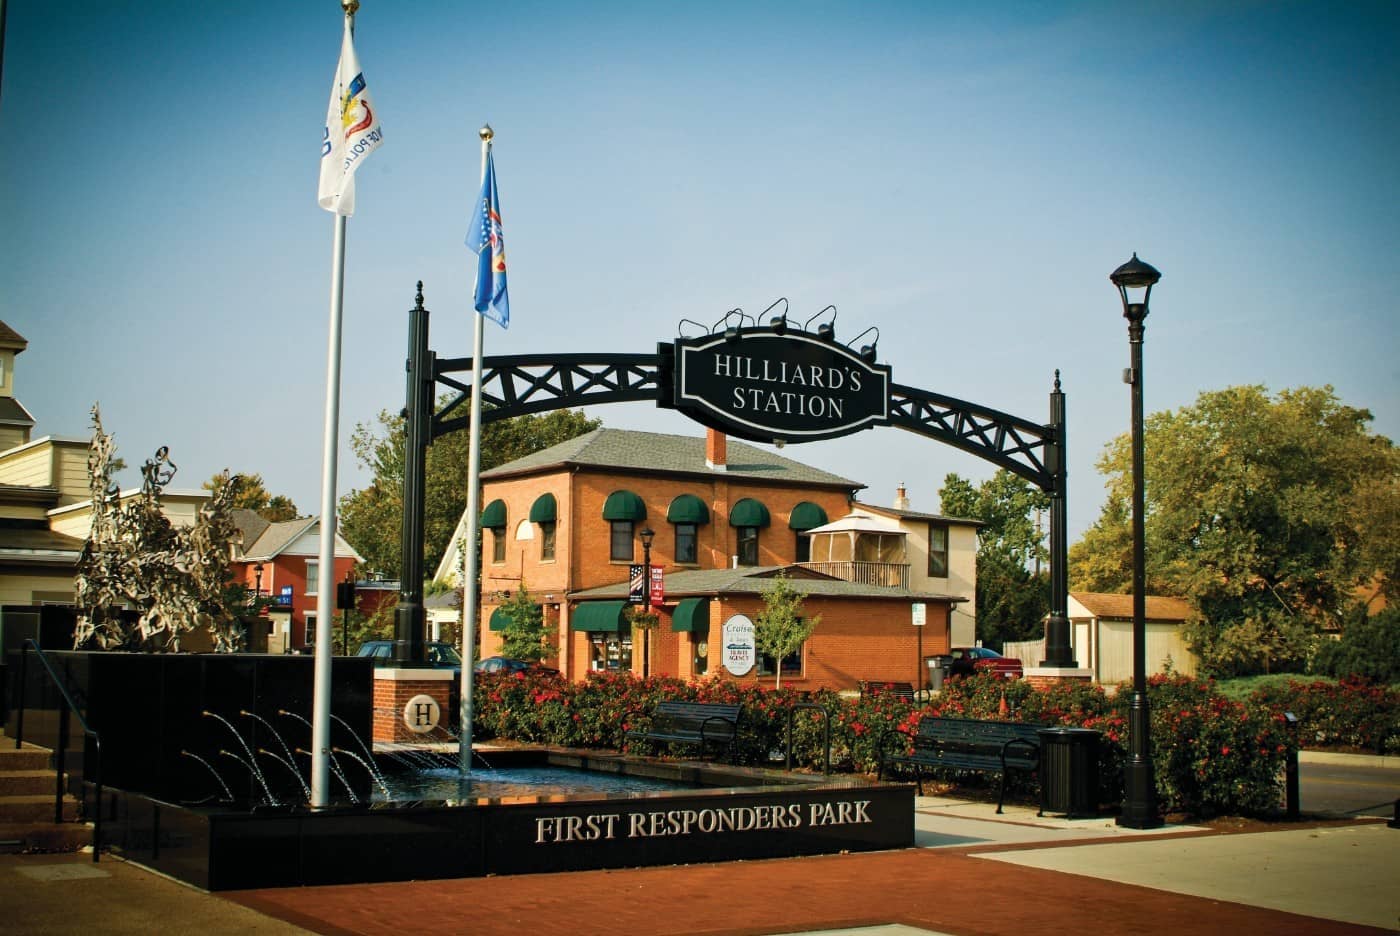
700,664
792,664
610,651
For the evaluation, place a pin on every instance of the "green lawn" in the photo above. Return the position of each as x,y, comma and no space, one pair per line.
1242,687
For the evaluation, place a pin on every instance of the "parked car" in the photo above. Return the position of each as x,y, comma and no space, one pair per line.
500,664
969,660
436,654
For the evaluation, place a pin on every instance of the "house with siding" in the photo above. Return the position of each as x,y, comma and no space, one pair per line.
46,515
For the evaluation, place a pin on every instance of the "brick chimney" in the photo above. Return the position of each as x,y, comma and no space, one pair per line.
715,450
901,497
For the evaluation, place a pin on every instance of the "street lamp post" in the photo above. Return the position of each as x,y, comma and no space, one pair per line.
1135,280
257,581
646,536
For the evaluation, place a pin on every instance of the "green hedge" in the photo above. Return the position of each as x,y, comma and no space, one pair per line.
1211,755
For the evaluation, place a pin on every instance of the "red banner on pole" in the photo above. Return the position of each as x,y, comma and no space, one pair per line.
658,585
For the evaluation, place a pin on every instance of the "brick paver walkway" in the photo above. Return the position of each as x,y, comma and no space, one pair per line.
941,891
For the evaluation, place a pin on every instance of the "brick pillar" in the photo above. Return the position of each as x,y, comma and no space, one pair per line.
1044,678
393,690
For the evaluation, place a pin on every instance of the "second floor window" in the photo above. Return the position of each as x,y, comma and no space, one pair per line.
547,540
938,550
498,544
804,547
620,549
313,575
686,543
748,546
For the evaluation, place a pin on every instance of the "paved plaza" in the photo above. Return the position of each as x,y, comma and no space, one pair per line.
971,872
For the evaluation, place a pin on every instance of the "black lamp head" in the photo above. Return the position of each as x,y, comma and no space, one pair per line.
1135,275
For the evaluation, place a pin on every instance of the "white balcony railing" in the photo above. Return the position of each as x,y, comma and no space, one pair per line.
866,573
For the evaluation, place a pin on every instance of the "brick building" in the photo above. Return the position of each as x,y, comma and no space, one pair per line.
565,524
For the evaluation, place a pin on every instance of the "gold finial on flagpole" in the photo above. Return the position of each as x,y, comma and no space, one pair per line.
486,133
349,6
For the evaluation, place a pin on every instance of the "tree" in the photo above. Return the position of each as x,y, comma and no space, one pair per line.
524,637
1268,512
779,629
1012,600
250,493
1369,648
371,518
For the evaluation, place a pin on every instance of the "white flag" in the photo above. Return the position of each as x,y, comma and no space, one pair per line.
352,132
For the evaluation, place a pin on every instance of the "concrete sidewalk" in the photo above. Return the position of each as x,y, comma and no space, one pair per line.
973,872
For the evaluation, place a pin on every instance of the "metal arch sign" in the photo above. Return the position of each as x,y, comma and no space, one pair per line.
771,386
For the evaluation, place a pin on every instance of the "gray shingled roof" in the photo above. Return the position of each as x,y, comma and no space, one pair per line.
249,525
914,514
276,537
667,454
9,338
13,413
756,580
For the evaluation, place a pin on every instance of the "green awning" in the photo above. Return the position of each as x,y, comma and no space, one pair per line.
499,620
624,505
807,516
494,516
544,509
688,509
692,616
748,513
599,616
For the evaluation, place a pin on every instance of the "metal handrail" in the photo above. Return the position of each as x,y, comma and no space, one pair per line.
826,734
61,748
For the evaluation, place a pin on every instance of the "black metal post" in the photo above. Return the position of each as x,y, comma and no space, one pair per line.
646,591
1059,652
1140,809
1291,799
409,614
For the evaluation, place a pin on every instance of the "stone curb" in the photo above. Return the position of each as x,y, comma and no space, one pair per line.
1353,760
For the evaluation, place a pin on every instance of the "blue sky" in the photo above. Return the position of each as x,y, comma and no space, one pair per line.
962,176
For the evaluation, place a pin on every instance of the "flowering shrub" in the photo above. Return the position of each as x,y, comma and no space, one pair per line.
1210,755
1351,714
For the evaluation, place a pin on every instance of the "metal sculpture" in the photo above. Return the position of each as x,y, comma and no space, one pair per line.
174,580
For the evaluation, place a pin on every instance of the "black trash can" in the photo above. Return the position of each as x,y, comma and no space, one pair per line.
1069,771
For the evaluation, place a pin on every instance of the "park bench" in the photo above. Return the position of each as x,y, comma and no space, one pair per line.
902,690
964,744
697,723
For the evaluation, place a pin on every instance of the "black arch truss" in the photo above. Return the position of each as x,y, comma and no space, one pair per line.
1018,445
525,384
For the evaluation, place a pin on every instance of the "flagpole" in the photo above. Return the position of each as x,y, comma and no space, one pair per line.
471,564
325,571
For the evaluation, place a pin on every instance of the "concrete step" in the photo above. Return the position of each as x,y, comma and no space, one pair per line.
26,808
16,838
28,757
26,782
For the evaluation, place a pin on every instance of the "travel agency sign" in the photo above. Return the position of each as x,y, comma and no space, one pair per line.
779,386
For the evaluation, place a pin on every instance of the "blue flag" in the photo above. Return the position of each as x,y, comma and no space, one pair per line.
485,240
